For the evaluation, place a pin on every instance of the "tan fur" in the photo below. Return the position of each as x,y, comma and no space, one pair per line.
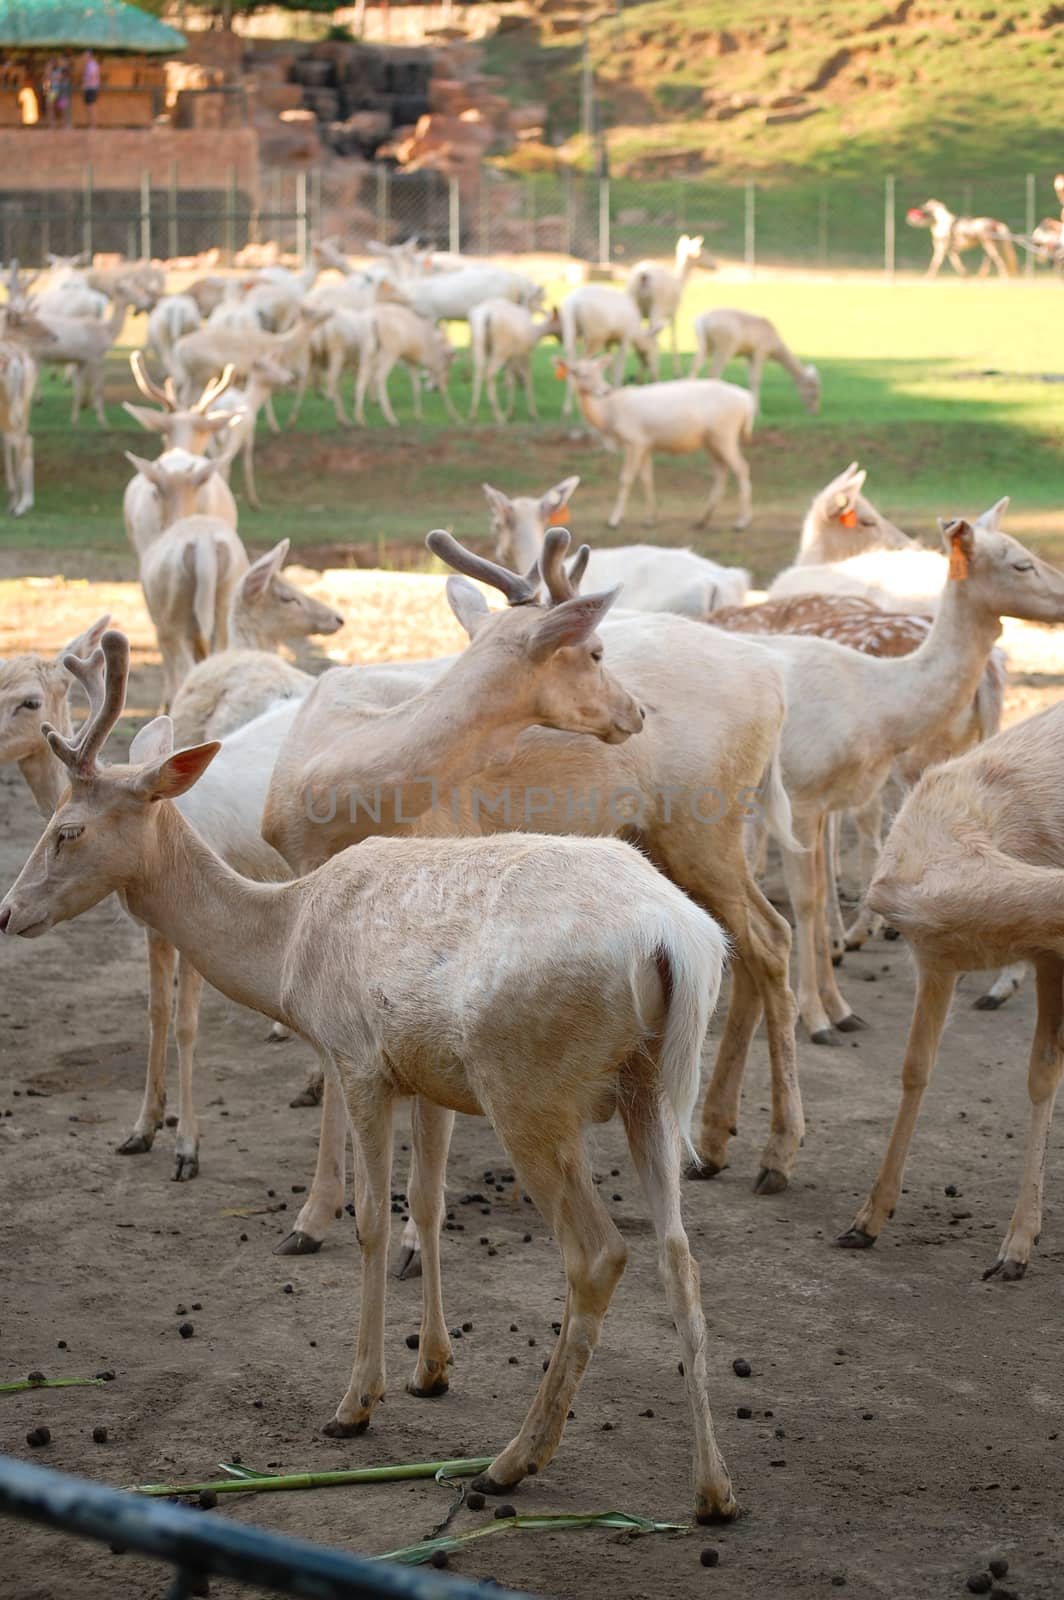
725,333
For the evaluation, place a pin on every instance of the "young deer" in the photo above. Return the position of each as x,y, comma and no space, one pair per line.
232,686
725,333
518,1005
972,874
657,291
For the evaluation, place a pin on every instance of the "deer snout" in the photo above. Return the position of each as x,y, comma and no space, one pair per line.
5,918
627,720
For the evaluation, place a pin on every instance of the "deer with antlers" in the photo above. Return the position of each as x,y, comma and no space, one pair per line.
518,1002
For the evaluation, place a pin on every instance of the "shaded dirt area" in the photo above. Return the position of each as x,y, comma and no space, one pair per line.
907,1418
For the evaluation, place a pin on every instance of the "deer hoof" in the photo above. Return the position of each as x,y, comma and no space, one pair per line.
308,1096
851,1024
409,1264
297,1243
335,1429
138,1144
855,1239
826,1036
1009,1271
484,1483
430,1391
699,1171
770,1181
714,1514
186,1168
989,1002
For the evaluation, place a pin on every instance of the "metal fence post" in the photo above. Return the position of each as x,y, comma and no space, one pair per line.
317,202
86,216
383,203
604,222
145,214
889,256
822,229
530,196
454,216
172,241
1028,223
750,228
301,218
568,204
230,214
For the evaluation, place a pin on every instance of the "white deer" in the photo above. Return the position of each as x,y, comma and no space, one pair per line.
657,292
726,333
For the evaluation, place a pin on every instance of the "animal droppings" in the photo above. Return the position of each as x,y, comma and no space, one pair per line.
998,1566
741,1368
413,1340
186,1330
207,1500
38,1436
99,1435
744,1413
710,1557
505,1511
439,1558
980,1583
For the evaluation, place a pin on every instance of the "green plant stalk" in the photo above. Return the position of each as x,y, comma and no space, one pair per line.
319,1480
51,1383
623,1521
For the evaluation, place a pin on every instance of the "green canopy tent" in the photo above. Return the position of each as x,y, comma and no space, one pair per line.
105,25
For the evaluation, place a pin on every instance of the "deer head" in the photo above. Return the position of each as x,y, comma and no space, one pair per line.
102,834
277,608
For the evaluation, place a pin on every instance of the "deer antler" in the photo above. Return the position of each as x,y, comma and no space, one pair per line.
103,677
163,396
562,584
518,591
215,389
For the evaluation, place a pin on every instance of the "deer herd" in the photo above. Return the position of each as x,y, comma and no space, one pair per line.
512,882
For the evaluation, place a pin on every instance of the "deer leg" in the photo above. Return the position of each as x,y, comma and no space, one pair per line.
754,369
415,385
633,456
836,926
656,1156
431,1129
162,959
442,382
869,819
249,471
837,1009
384,365
934,992
646,478
26,502
530,393
271,415
366,368
1043,1081
717,482
957,264
556,1173
1004,986
189,989
800,874
312,1090
9,473
371,1120
700,357
325,1202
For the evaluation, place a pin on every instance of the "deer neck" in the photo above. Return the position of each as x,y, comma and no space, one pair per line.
236,932
412,757
118,316
934,685
594,408
246,632
787,360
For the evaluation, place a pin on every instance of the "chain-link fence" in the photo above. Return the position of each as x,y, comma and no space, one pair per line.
812,225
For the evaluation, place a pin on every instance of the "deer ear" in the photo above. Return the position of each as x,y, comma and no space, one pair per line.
991,518
86,642
153,421
557,497
958,537
467,603
571,623
172,775
153,742
146,469
500,503
260,574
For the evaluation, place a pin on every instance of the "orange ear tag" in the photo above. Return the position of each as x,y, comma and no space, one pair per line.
561,371
848,518
559,518
958,559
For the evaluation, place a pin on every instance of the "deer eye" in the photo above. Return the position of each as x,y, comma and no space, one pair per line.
596,655
68,834
1023,566
29,705
286,599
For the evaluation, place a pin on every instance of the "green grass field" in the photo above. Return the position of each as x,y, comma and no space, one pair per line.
938,389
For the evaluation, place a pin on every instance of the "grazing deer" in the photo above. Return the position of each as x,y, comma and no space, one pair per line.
519,1007
725,334
950,235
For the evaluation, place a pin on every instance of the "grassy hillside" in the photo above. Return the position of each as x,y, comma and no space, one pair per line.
816,102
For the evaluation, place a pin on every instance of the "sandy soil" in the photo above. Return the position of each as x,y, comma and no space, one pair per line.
907,1418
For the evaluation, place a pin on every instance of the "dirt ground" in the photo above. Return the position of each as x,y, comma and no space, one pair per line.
907,1418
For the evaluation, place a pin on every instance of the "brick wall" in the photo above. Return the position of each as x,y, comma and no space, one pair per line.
47,158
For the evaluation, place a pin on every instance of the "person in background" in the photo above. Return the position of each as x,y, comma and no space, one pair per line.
90,86
66,91
50,82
